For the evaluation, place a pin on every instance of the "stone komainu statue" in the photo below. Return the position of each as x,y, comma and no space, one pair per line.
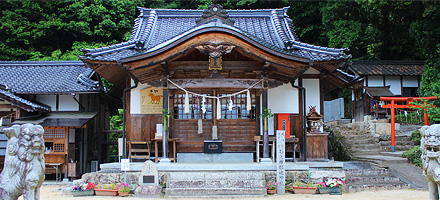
430,144
23,172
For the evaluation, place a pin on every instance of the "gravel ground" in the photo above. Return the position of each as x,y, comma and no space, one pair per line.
54,192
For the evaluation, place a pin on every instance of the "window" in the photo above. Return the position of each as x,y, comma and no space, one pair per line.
410,91
238,111
195,104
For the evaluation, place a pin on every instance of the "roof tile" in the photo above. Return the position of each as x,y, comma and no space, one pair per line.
270,27
43,77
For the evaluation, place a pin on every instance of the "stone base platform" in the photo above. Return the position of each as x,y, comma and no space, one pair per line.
148,191
173,167
215,157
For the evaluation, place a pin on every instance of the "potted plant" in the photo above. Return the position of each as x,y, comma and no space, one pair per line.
266,114
271,187
83,189
123,189
331,186
304,188
106,190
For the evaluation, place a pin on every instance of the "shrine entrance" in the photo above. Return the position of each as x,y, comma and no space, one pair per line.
393,105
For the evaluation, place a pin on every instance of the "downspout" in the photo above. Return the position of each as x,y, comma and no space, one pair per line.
303,90
124,114
124,107
77,101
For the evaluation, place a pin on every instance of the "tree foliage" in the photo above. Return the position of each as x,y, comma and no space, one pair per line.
375,30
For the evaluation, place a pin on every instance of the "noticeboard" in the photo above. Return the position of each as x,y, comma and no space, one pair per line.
151,100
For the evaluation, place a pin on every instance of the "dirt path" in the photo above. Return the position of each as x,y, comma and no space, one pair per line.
53,192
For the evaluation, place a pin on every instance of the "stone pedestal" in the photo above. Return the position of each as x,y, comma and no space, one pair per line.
148,191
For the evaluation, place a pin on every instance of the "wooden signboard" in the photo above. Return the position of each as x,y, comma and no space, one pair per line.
151,100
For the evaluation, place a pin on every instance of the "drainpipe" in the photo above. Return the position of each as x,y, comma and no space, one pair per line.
303,90
77,101
124,108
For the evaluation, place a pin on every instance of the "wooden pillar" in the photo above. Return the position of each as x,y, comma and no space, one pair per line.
265,131
166,108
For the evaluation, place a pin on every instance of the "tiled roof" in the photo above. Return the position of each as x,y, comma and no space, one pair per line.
47,77
22,103
388,67
379,91
154,29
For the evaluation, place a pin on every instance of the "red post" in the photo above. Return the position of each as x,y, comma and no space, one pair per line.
393,131
426,117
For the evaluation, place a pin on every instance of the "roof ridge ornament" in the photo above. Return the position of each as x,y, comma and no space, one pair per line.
215,11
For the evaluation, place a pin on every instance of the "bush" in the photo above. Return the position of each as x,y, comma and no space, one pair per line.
416,136
414,156
337,147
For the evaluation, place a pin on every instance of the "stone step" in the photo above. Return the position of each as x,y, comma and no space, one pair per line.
371,179
398,148
366,151
361,139
214,192
398,143
215,183
376,186
366,172
195,176
210,184
366,146
397,138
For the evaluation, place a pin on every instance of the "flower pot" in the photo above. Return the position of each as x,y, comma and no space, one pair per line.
304,190
106,192
77,193
123,194
330,190
271,191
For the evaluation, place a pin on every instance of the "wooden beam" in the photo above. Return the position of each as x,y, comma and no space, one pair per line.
220,83
246,48
7,106
203,65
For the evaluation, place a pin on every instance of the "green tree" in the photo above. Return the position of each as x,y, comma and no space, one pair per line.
35,29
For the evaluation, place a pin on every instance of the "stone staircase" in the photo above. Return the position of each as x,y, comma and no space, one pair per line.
371,179
215,184
360,141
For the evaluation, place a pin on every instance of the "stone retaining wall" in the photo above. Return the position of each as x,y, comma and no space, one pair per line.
314,176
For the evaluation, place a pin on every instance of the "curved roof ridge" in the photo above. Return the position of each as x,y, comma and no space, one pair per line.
299,44
41,63
109,49
145,35
278,27
34,106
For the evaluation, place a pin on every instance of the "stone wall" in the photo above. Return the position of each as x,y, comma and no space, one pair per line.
314,176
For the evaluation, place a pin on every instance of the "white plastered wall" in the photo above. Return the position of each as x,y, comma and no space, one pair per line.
135,98
67,103
394,81
375,81
282,99
313,97
410,81
50,100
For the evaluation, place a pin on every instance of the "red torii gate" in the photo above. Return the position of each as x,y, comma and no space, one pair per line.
393,105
